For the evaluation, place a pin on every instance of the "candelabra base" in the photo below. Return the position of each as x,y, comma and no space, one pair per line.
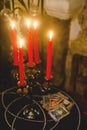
47,86
24,90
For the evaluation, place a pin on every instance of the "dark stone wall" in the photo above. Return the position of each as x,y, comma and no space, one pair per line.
5,54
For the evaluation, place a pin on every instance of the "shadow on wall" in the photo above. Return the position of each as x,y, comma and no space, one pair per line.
5,54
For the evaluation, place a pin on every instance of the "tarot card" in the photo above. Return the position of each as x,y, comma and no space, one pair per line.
62,95
55,100
68,104
46,101
58,113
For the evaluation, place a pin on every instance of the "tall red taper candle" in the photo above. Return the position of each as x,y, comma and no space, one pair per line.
21,65
30,52
36,48
14,45
49,59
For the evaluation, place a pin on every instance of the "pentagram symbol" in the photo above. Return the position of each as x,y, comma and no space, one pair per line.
20,112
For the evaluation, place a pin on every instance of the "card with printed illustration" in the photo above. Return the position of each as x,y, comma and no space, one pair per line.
46,101
55,100
58,113
68,104
51,101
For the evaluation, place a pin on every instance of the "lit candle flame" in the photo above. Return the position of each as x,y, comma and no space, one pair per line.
13,25
28,23
21,43
50,35
35,25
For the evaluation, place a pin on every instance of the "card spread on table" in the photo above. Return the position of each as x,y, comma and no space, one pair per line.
58,105
58,113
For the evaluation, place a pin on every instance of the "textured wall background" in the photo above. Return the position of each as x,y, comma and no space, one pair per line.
78,46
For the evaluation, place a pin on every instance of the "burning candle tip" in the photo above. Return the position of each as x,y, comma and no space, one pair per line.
28,22
21,43
35,24
50,35
13,24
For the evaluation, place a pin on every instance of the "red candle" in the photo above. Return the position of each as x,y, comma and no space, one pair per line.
36,51
21,65
30,52
14,46
49,59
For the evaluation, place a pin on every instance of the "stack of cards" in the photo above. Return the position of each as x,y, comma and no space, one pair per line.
58,105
